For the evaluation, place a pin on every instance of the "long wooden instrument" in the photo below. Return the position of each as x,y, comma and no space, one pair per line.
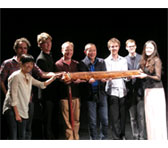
98,75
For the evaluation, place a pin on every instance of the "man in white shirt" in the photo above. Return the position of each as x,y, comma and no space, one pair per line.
116,90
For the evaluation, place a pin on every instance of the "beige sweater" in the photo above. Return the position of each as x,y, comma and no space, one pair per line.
19,91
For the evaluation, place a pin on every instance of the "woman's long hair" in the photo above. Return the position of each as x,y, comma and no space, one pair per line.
149,61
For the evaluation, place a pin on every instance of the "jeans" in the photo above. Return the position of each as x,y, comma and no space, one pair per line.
137,119
98,107
29,121
117,115
17,130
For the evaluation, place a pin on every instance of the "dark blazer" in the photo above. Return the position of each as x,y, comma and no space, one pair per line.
134,84
136,63
46,63
86,88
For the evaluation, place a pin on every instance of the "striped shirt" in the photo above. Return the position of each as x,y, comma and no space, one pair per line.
11,65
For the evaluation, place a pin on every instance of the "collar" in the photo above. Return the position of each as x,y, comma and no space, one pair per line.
87,61
46,53
111,57
133,56
14,58
24,75
62,61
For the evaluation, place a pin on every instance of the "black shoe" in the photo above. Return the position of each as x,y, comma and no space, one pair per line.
141,138
135,138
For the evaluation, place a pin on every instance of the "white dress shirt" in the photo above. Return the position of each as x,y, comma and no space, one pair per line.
116,87
19,91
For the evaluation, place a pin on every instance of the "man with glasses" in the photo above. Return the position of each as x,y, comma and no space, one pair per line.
21,46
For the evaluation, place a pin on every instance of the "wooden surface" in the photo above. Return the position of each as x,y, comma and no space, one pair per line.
98,75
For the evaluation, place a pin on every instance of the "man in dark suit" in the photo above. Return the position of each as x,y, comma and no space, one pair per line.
135,99
95,93
46,63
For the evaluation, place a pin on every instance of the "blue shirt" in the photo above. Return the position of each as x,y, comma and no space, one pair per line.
95,84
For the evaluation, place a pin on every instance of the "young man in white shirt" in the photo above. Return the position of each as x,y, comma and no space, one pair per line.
116,90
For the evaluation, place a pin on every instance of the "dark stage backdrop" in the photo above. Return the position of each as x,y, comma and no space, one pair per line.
82,26
85,25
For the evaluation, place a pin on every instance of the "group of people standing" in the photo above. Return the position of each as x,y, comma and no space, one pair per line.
143,96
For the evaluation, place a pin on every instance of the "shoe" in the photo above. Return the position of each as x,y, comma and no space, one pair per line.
141,138
135,138
123,138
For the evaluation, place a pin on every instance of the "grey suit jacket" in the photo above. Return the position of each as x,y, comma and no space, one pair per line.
136,64
135,84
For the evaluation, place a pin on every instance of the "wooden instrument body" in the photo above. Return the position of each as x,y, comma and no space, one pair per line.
98,75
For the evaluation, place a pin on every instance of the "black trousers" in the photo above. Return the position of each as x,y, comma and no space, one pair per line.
117,116
48,111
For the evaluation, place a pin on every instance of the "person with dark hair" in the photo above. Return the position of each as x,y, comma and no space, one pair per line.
154,96
135,98
21,46
15,107
95,94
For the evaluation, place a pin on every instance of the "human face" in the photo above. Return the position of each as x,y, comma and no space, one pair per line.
114,48
149,49
21,49
67,51
46,46
91,52
27,67
131,47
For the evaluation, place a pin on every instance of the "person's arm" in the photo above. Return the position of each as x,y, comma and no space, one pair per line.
49,81
3,87
82,67
14,97
3,76
104,69
125,67
47,75
17,116
43,84
40,73
158,68
78,80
